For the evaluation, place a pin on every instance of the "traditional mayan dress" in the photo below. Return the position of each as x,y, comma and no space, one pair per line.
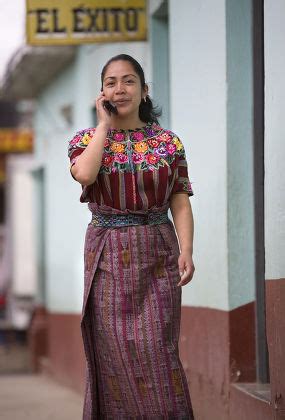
132,304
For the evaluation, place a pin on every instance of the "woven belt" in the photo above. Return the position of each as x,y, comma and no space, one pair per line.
112,220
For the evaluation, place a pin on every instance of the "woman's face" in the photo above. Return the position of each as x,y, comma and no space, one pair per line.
122,86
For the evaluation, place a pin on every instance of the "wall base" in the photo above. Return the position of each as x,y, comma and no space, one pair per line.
217,349
66,352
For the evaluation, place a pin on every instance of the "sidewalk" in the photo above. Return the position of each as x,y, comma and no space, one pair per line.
37,397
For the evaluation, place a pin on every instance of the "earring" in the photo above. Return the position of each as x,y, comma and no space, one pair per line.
144,98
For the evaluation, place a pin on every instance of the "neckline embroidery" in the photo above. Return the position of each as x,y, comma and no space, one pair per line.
146,148
149,131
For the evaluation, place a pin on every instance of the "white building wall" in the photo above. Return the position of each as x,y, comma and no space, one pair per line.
274,34
20,254
198,114
20,222
24,267
65,217
240,154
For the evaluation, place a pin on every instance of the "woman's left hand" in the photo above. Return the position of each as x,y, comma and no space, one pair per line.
186,268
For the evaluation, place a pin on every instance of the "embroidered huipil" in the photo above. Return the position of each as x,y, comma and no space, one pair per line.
140,169
132,305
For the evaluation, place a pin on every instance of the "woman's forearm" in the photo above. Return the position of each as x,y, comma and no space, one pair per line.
181,210
87,165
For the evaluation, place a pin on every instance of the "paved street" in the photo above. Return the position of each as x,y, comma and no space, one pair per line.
37,397
14,358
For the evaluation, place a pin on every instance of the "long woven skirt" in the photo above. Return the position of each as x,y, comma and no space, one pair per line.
131,326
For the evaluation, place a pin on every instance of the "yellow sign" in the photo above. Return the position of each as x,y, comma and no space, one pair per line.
71,22
15,140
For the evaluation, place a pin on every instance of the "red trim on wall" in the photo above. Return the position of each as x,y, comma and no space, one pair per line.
275,324
38,337
217,348
66,353
242,343
245,405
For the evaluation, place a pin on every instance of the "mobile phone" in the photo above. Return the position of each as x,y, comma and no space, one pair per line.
110,107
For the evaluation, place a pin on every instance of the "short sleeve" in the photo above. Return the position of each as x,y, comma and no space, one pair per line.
182,183
78,143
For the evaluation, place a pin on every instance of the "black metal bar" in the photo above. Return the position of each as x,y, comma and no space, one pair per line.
262,371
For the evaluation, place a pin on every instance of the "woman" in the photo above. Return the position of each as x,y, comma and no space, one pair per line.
131,171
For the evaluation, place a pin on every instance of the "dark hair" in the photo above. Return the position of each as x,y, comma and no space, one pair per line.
147,111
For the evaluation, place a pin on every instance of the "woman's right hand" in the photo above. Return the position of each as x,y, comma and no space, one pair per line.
103,115
87,165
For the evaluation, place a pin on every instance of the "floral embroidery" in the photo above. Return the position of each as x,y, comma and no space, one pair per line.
161,151
147,148
141,147
117,147
138,157
80,140
152,159
153,143
86,139
121,158
138,136
165,137
178,144
171,148
107,160
75,140
119,136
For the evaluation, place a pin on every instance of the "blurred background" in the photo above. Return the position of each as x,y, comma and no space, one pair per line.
216,69
14,316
